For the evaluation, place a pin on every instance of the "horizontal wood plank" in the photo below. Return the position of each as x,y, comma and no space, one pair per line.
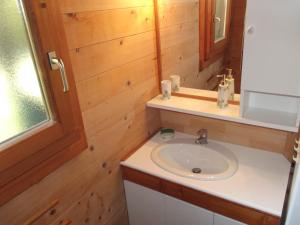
95,59
83,28
174,35
70,6
174,13
99,88
119,107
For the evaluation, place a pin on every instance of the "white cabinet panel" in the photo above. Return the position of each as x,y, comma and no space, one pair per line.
272,47
145,206
182,213
149,207
222,220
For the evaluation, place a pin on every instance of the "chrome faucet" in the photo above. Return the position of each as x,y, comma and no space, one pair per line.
202,137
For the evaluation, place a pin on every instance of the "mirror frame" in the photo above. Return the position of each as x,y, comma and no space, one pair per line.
158,52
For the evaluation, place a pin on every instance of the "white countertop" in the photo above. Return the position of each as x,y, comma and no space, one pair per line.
210,109
259,183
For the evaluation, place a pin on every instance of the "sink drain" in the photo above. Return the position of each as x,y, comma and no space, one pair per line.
196,170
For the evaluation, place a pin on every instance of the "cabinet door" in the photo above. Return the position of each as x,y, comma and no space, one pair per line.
272,47
145,206
182,213
222,220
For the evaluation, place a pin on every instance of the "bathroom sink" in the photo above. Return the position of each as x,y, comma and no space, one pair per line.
185,158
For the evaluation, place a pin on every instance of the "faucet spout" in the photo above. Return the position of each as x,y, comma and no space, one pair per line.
202,137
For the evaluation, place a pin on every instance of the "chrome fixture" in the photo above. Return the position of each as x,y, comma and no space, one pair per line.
202,137
57,63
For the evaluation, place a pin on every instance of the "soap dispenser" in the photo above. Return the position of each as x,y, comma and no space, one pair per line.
230,82
223,92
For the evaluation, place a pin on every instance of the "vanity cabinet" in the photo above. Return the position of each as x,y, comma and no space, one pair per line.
153,200
149,207
145,207
178,212
222,220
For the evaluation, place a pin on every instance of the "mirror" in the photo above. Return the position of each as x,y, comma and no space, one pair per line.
198,40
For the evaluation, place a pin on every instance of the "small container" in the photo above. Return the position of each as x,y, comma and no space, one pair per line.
230,82
175,80
166,89
167,134
222,93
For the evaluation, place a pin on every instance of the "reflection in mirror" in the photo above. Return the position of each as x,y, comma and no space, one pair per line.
220,20
200,39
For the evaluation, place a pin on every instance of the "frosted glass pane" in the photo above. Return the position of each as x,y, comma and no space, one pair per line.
22,104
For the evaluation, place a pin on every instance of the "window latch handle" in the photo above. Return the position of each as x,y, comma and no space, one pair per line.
57,63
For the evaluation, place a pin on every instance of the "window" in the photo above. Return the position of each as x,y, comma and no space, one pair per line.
22,98
40,120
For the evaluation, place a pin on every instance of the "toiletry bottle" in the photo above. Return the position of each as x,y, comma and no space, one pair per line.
223,92
230,83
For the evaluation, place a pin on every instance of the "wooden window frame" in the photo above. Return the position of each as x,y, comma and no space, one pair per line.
209,51
27,159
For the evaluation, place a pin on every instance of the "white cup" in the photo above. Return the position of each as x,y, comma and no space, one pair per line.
175,80
166,89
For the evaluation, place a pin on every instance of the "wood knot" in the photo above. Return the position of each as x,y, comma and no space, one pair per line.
52,212
72,15
43,5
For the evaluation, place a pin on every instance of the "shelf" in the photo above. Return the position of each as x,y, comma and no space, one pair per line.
231,113
269,116
202,92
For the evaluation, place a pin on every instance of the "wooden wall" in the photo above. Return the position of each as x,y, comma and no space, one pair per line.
112,48
281,142
113,52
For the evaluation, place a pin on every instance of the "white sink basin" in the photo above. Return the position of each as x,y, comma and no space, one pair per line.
183,157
